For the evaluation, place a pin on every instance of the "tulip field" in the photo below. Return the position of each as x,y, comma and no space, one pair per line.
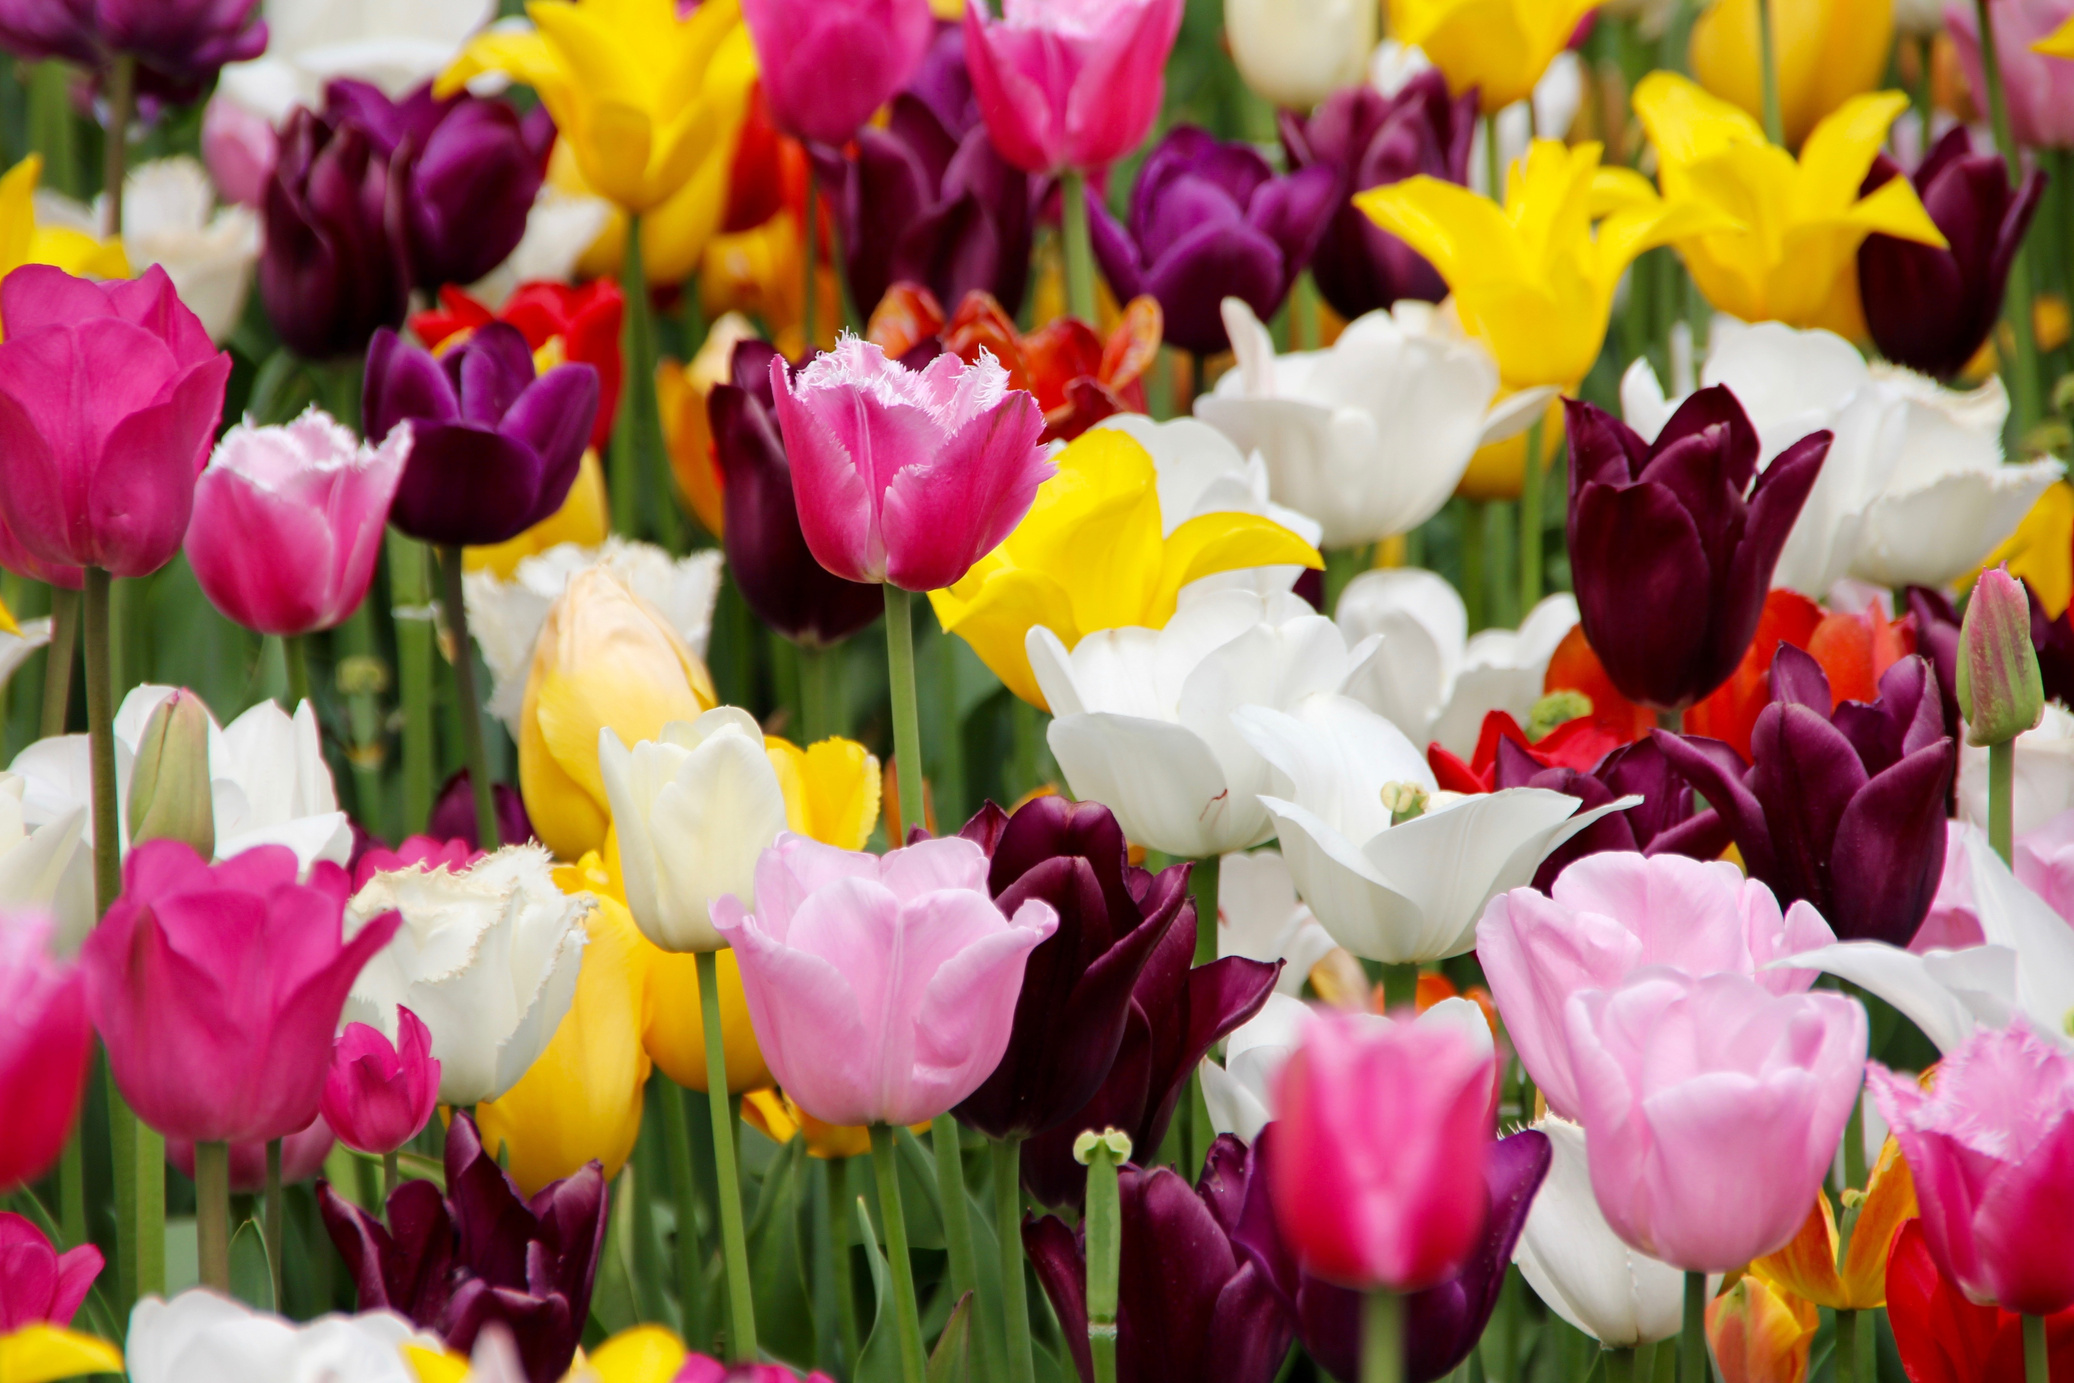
1037,691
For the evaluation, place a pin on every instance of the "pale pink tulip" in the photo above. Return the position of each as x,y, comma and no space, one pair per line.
1069,83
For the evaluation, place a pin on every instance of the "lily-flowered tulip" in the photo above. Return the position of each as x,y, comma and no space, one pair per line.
1825,53
1068,85
1957,291
178,44
45,1042
1706,1182
969,465
1499,50
879,985
200,1337
825,68
1811,1267
170,218
112,484
334,269
1989,1148
379,1094
1760,1332
302,1158
2032,44
585,320
1610,915
486,957
233,971
1295,56
288,522
1945,1337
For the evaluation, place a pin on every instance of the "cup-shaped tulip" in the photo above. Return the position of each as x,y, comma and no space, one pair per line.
494,448
39,1285
199,1335
108,483
335,267
1991,1149
1065,85
1657,527
45,1041
180,45
1711,1109
879,985
2032,43
1295,54
1825,53
302,1158
826,68
1812,1268
2001,693
1352,1212
288,522
378,1093
1956,292
968,462
485,957
1499,50
1760,1332
1945,1337
235,970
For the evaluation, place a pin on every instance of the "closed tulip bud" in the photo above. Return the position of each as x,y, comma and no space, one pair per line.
380,1094
2001,693
170,798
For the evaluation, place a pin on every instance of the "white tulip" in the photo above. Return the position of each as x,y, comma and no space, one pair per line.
1260,917
487,957
199,1337
1370,437
170,218
396,44
45,867
1408,892
2042,785
1557,98
1295,53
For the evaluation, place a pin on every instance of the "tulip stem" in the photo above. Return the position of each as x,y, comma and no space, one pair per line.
276,1216
391,1174
637,447
957,1216
411,601
471,705
1673,721
1847,1356
295,653
122,106
2037,1362
212,1214
1080,252
57,669
819,694
1692,1336
895,1221
1400,986
72,1190
1104,1251
2002,799
1008,1234
741,1335
1768,66
907,725
1620,1365
1532,482
1382,1337
2020,373
100,723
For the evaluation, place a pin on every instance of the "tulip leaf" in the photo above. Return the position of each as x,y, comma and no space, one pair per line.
613,1304
777,1265
251,1276
952,1360
879,1360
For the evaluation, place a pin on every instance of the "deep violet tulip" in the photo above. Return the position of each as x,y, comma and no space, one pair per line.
1844,808
1211,220
179,45
587,319
1672,544
480,1253
39,1285
1663,822
1076,996
1370,140
453,813
336,266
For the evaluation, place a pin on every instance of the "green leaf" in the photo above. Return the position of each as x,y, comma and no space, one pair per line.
952,1361
879,1361
251,1276
613,1304
777,1262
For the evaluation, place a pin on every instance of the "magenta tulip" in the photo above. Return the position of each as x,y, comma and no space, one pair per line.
882,988
302,1158
377,1096
907,476
1608,916
217,988
288,522
39,1285
1711,1109
1378,1178
2039,89
826,65
1069,84
1991,1148
109,398
45,1041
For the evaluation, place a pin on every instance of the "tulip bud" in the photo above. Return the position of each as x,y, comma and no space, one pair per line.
2001,693
170,797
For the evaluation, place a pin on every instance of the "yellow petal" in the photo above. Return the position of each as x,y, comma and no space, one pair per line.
42,1352
1213,543
2059,43
583,519
436,1366
644,1354
675,1036
1761,1333
1806,1266
7,621
1826,51
781,1121
831,790
995,611
1890,1201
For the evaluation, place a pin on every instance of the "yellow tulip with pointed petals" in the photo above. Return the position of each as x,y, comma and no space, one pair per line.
1827,52
42,1352
1500,47
1809,1267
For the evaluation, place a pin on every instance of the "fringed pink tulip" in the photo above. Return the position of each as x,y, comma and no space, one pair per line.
302,1158
39,1285
1069,83
45,1041
377,1096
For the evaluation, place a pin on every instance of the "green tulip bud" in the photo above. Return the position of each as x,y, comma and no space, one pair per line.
170,798
2000,691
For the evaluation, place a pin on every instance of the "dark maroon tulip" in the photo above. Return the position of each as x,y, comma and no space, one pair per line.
1663,822
1846,808
767,554
480,1253
179,45
1210,220
336,267
1191,1307
1672,545
453,813
1371,140
494,450
1076,994
1931,309
1443,1322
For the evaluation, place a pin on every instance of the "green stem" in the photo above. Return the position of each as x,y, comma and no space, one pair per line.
1303,313
1080,250
2001,799
1768,64
276,1215
907,727
1104,1255
1493,160
1620,1365
1847,1360
1202,885
57,667
741,1335
72,1191
391,1174
841,1216
362,677
295,653
100,722
1473,562
1382,1337
819,697
895,1221
2037,1363
2021,373
53,130
691,1258
1008,1234
1532,482
1400,985
122,106
957,1215
478,757
1027,735
1674,721
212,1214
411,594
1692,1335
641,472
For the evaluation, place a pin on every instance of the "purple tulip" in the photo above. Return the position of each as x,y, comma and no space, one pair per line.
1843,808
1672,544
495,450
1371,140
453,813
336,266
480,1254
1931,309
1663,822
179,45
1210,220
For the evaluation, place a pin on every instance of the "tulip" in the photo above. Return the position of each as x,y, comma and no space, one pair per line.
316,41
1296,56
379,1094
1707,1182
951,422
700,1368
2030,45
486,958
1943,1337
199,1337
1499,50
1760,1333
45,1041
33,236
1826,53
452,819
371,857
1811,1268
238,147
825,68
1667,821
842,1026
288,522
1260,917
1064,86
779,1118
178,44
39,1285
167,220
1107,492
585,320
334,270
2001,693
303,1156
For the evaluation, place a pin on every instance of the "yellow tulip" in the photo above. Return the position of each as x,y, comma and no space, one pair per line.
1533,279
605,658
1808,1267
582,1099
1500,47
2041,551
42,1352
777,1118
22,241
1089,556
674,236
1827,51
1785,246
2059,43
583,519
681,394
1761,1332
640,1354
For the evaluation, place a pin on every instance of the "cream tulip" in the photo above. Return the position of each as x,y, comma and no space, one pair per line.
199,1337
1295,53
1260,917
396,44
170,218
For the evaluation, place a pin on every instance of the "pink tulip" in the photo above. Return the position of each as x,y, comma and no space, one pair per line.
701,1368
22,562
45,1042
1069,84
907,476
240,150
882,988
1378,1173
433,852
109,398
1711,1109
302,1158
39,1285
288,522
1607,917
377,1096
1991,1148
826,65
2040,89
217,988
